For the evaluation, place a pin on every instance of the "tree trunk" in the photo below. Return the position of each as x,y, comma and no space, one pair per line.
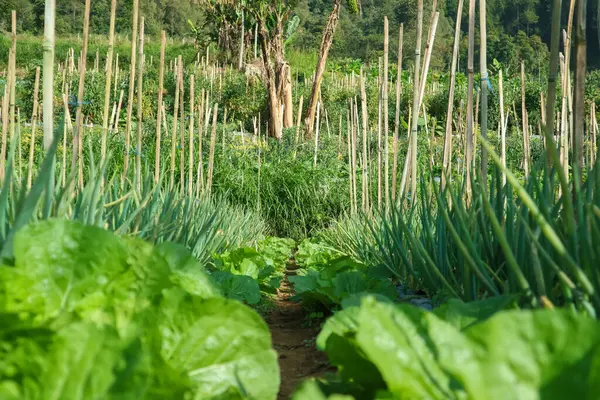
273,74
326,41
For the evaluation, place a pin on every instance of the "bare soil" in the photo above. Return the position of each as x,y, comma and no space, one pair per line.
294,341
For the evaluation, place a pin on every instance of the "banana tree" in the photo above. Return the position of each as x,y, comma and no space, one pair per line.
271,17
326,41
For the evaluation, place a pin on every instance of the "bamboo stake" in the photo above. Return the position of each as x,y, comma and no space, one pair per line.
159,113
182,136
552,75
211,154
113,116
415,107
353,131
379,140
19,146
78,137
257,133
132,65
191,141
34,116
317,133
470,70
174,129
447,162
503,127
200,175
298,124
6,114
348,141
543,115
579,92
63,166
111,43
484,86
118,114
13,79
398,100
564,130
385,96
5,101
427,60
365,128
526,149
594,133
140,114
116,75
48,72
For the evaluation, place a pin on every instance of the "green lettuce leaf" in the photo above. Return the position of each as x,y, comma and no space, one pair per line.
222,344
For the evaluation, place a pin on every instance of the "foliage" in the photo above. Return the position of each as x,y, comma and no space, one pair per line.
329,280
122,318
389,351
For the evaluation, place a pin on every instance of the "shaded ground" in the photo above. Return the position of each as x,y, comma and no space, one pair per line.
294,341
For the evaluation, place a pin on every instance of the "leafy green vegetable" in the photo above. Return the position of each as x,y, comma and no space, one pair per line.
276,250
221,344
311,252
248,262
238,287
332,282
516,354
88,315
462,315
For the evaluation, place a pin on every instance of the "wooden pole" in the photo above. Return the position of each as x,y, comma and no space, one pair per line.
200,176
470,71
348,141
379,140
111,43
385,97
140,114
78,139
63,165
484,86
211,154
182,136
159,113
34,117
398,100
447,162
298,124
579,90
365,129
526,149
175,119
427,60
503,126
551,150
191,141
134,31
48,72
415,107
317,129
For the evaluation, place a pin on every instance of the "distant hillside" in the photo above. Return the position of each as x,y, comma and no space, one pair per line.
517,29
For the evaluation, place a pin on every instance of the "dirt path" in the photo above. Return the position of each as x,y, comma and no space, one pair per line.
294,341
